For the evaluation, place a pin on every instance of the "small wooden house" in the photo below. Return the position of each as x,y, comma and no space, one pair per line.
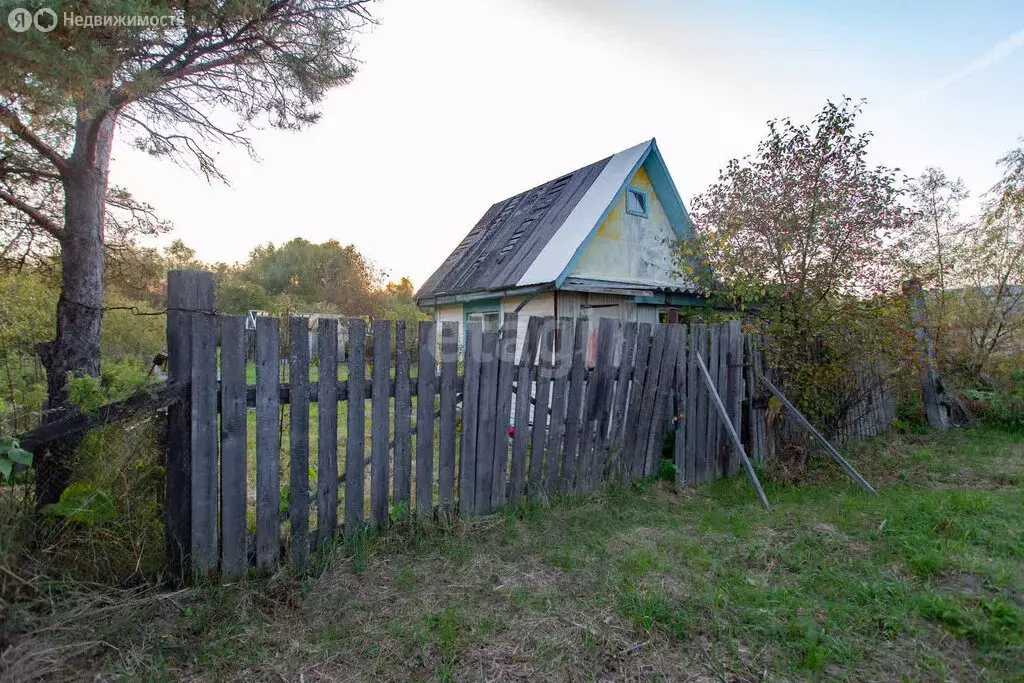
596,242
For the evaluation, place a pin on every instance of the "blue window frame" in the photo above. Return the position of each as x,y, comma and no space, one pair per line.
637,202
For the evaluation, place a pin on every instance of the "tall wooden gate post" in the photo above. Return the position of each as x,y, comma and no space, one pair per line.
188,292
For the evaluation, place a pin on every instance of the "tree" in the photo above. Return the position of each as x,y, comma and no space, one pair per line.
177,88
937,237
992,311
806,234
325,273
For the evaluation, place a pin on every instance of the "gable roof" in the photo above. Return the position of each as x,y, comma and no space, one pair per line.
533,238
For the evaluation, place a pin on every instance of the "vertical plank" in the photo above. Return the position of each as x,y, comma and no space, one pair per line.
604,373
486,423
327,433
690,422
540,409
643,349
268,443
681,404
402,482
703,469
188,291
204,444
721,434
659,416
355,428
470,403
233,470
574,406
298,437
622,382
714,424
585,458
425,418
446,429
647,405
402,474
560,380
748,397
734,385
380,417
506,373
524,394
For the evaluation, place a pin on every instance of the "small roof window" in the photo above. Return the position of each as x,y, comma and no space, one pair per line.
637,202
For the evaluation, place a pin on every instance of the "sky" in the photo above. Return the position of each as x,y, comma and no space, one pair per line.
461,104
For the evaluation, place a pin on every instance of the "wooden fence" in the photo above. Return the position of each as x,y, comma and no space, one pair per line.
450,429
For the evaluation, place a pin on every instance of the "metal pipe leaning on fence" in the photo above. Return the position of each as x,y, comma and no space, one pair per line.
727,423
805,423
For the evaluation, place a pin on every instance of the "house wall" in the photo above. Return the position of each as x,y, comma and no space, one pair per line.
448,313
628,248
540,305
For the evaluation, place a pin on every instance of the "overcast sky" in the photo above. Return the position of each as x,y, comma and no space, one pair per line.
460,104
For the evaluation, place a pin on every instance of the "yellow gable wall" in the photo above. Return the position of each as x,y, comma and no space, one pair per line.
629,248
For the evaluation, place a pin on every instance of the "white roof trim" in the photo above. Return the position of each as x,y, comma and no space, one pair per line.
560,249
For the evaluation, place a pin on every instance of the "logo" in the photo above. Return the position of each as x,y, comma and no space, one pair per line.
45,20
20,19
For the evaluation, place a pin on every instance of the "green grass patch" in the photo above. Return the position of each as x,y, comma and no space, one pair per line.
922,581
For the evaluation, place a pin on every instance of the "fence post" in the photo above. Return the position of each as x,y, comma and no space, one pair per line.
188,292
931,384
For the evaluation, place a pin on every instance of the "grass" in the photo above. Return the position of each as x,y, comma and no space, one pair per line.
923,581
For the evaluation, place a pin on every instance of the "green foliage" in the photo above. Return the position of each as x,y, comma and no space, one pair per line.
1004,409
11,454
806,236
84,503
667,470
117,380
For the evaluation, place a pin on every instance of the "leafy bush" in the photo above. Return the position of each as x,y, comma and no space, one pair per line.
1003,409
11,454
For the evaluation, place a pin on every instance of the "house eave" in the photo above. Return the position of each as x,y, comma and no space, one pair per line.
466,297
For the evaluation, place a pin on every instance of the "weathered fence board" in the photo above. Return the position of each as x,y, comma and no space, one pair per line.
690,468
298,438
703,464
733,390
563,361
187,293
524,395
402,481
446,428
486,422
622,381
574,406
503,406
425,418
666,375
604,381
268,444
354,449
643,437
470,403
636,400
233,469
204,444
540,408
327,433
380,409
682,401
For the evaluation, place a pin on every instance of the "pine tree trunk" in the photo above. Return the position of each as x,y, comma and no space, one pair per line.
76,350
